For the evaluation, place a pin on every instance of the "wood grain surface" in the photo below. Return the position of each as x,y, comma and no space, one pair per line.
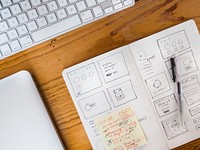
46,61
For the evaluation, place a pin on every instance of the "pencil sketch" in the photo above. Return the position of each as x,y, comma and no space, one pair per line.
94,105
158,84
122,93
81,78
94,128
198,127
166,105
173,127
194,110
146,62
143,147
196,120
191,89
173,43
113,67
186,62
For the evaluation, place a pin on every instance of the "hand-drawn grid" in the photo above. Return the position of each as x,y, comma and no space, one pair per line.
166,105
94,105
158,84
194,110
173,128
191,89
113,67
186,62
173,43
122,93
81,78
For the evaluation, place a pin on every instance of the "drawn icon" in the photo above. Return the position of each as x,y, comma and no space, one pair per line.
157,83
88,106
119,94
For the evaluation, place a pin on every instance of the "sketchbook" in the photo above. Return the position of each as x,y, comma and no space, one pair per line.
136,80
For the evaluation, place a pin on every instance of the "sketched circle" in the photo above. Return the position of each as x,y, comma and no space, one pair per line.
180,41
157,83
76,80
167,46
84,77
174,43
186,61
91,73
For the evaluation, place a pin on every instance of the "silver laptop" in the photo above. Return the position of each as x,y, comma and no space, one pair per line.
24,121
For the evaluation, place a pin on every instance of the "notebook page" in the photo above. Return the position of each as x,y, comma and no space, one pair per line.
104,84
152,56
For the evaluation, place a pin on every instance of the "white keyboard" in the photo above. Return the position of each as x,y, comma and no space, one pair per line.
25,23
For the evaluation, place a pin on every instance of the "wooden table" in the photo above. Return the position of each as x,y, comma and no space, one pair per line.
46,61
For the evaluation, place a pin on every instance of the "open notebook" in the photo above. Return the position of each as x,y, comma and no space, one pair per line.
139,76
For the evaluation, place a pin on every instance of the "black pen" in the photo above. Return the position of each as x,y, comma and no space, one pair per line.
178,85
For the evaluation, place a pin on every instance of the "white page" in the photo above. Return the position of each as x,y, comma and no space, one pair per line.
152,56
107,83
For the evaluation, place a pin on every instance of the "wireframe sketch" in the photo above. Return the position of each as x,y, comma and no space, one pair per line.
122,93
191,89
146,62
198,127
81,78
194,110
94,105
94,128
173,127
113,67
173,43
158,84
196,120
166,105
186,63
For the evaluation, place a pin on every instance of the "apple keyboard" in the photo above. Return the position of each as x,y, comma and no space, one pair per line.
26,23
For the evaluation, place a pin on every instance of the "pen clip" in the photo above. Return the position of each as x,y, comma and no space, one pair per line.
173,66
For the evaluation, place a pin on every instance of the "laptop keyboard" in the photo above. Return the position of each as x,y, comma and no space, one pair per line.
25,23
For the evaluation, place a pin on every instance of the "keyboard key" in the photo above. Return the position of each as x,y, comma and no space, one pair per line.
22,30
61,14
25,41
15,46
71,10
86,16
91,3
6,2
22,18
81,5
128,2
12,34
100,1
32,26
32,14
13,22
35,2
116,1
57,28
15,9
5,49
72,1
118,6
52,6
97,11
51,18
3,26
5,13
108,10
15,1
42,10
3,38
41,22
62,3
25,5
